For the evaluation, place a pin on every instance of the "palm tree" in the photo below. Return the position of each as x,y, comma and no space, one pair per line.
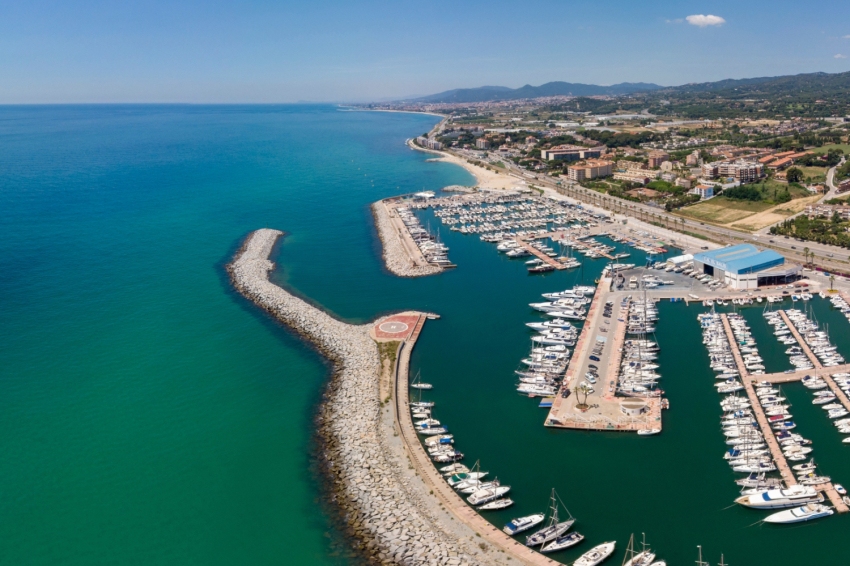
831,281
806,255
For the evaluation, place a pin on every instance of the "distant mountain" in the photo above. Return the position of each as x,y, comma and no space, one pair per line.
558,88
823,84
804,86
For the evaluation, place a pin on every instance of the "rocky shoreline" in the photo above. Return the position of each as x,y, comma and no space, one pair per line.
384,507
396,259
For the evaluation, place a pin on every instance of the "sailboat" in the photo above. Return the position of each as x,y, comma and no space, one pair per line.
417,382
554,528
642,558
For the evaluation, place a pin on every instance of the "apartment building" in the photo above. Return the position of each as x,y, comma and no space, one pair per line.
482,143
572,153
633,176
590,169
656,158
429,143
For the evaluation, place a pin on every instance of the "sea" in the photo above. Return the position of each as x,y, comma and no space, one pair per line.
150,415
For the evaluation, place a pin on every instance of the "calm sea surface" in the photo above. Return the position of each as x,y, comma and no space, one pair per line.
150,416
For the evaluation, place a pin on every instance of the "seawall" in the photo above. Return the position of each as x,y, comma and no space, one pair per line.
383,502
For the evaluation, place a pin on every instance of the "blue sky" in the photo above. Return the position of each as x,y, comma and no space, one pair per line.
180,51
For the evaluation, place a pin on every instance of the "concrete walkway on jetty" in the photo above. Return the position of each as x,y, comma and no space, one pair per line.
393,500
407,327
604,409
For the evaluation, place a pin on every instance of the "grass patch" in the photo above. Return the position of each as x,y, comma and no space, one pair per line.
843,146
499,164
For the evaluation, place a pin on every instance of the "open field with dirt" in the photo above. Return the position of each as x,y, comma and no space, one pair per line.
744,215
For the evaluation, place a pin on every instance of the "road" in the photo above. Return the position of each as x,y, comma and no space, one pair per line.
826,256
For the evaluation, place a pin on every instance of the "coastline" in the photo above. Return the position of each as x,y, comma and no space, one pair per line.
484,178
385,507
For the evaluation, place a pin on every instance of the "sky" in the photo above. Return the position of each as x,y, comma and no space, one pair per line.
354,51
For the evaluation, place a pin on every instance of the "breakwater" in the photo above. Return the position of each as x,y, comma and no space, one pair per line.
401,257
385,507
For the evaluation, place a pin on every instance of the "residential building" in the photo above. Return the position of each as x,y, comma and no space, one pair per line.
828,210
669,177
571,153
683,182
844,186
692,158
709,170
633,176
429,143
656,158
482,143
590,169
742,170
626,165
704,191
780,164
667,166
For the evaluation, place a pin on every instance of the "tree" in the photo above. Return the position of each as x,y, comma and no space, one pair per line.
806,255
831,281
794,175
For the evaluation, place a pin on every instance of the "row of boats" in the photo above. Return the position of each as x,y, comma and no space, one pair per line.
555,536
817,340
482,494
797,357
638,375
432,249
542,372
748,451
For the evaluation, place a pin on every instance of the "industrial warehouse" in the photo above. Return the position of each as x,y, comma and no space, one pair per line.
746,267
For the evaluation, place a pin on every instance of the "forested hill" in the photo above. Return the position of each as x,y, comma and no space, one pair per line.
493,93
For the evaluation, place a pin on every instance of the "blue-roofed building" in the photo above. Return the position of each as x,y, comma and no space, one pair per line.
745,266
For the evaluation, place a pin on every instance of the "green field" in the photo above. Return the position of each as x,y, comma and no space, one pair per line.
721,210
842,146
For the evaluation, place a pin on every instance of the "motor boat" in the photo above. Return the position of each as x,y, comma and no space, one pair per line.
807,512
523,524
781,498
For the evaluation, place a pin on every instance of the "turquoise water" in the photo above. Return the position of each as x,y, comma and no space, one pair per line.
150,415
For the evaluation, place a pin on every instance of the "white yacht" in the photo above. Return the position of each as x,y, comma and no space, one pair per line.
523,524
800,514
596,555
488,494
794,496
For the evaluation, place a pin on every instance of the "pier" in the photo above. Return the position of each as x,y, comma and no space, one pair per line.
407,333
604,411
748,380
540,255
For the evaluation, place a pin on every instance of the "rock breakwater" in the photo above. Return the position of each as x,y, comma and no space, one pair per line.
396,258
384,504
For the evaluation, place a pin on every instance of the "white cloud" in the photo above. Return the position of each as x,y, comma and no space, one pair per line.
676,21
839,56
701,20
846,36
